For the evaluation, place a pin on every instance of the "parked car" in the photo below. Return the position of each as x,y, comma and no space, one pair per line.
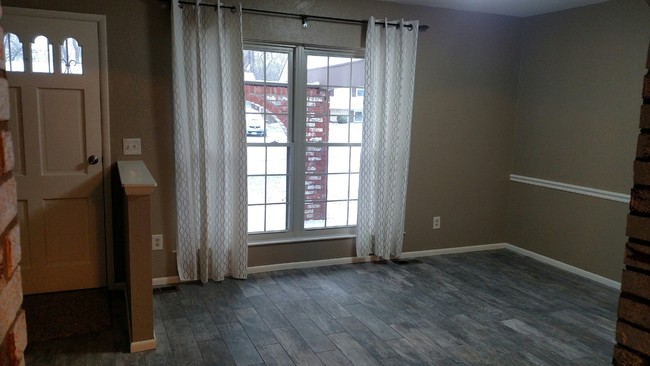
254,123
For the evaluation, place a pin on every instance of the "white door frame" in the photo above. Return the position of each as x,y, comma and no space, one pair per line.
107,162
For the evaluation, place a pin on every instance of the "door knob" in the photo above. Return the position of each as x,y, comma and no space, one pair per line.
92,160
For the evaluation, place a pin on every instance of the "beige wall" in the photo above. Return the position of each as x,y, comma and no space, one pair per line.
462,124
577,122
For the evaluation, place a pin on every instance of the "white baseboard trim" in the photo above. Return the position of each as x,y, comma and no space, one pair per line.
455,250
310,264
348,260
567,267
145,345
162,281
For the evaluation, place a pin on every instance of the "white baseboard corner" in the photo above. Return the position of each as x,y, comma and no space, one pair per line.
145,345
567,267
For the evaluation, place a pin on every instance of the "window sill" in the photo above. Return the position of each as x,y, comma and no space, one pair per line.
300,239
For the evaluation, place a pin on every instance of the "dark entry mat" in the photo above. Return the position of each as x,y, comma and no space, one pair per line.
63,314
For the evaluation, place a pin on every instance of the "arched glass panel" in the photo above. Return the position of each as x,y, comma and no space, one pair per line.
71,57
42,59
14,59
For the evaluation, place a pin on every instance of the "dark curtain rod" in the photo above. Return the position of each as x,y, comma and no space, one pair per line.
304,17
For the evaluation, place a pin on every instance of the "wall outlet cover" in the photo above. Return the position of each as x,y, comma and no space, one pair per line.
157,242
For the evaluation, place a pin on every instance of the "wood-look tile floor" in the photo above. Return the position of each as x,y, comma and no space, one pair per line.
481,308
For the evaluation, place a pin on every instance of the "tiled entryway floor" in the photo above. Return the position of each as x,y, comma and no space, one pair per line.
480,308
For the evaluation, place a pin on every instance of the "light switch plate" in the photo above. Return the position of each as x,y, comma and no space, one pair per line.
131,146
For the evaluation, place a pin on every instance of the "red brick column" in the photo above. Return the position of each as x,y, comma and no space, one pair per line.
633,327
12,318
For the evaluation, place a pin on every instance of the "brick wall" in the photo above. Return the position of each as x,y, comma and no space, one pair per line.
633,327
12,318
316,157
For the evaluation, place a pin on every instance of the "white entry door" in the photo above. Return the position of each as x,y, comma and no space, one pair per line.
54,83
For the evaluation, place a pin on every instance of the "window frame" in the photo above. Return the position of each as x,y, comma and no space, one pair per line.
297,146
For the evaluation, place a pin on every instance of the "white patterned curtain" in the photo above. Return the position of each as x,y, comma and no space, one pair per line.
209,142
388,105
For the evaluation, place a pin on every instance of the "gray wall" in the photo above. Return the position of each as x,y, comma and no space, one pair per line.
577,122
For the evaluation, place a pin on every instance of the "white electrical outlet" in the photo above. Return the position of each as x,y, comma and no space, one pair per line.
157,242
436,222
131,146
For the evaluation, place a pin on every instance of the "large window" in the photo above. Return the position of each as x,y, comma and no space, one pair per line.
304,111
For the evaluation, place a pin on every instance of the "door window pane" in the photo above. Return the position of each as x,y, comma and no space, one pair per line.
42,57
71,57
14,59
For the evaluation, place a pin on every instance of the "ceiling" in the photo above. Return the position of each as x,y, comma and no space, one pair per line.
519,8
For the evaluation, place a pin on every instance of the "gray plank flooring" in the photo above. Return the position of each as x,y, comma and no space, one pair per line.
481,308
